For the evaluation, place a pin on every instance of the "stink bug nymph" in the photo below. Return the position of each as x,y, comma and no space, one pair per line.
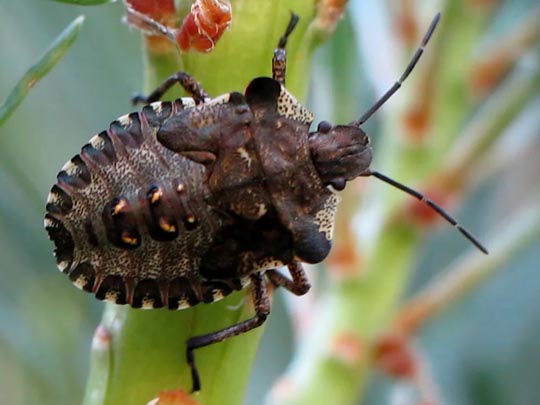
187,201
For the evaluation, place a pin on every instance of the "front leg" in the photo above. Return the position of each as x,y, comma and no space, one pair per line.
299,285
188,83
261,302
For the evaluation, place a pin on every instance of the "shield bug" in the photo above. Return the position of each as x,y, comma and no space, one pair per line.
187,201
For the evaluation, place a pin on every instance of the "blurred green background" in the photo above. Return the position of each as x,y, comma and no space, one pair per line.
485,350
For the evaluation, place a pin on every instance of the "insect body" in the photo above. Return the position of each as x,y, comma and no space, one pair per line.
187,201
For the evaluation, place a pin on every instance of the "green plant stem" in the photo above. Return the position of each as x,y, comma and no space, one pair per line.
469,271
449,97
495,115
363,304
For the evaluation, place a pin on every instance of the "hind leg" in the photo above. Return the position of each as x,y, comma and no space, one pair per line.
261,302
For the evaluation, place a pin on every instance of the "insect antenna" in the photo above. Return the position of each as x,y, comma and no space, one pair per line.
414,60
433,205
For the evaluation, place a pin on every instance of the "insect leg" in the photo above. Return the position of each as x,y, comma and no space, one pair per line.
299,285
188,83
262,309
279,61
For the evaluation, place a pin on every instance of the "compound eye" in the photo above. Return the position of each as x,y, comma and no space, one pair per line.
324,127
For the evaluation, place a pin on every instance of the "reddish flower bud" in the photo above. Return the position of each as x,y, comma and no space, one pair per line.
204,25
159,10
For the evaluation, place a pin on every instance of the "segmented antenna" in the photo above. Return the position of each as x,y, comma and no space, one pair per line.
414,60
433,205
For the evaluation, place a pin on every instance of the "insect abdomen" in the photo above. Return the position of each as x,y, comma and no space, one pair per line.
129,220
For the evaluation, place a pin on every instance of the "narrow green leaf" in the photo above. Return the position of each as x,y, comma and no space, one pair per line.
85,2
49,59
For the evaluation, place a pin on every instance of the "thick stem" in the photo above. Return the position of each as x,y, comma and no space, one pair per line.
469,272
332,363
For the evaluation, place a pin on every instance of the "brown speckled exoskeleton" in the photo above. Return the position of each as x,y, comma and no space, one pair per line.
187,201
